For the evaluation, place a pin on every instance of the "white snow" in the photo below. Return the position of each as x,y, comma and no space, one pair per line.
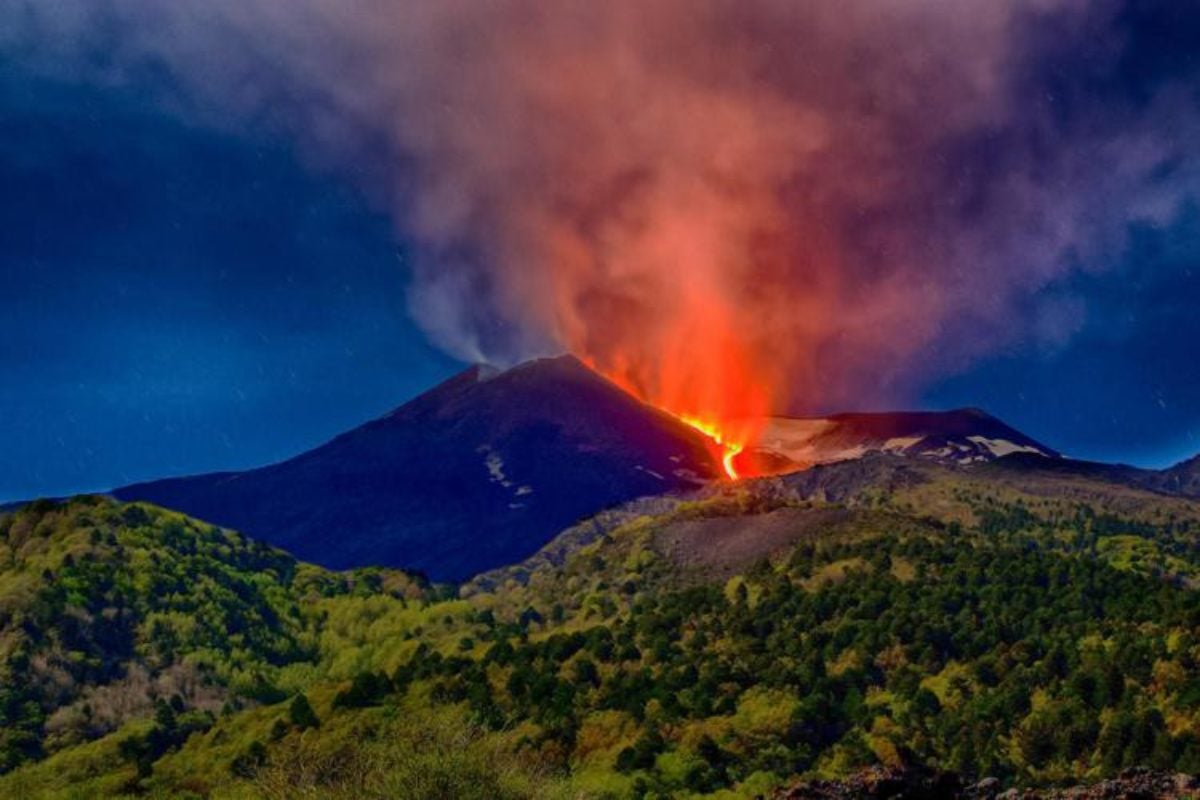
495,468
820,441
796,439
845,454
900,443
496,474
1002,447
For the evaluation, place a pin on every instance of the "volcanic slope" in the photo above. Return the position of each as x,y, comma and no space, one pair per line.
1036,626
1183,478
759,519
478,472
962,436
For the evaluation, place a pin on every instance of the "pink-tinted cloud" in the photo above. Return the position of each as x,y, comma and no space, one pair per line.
732,206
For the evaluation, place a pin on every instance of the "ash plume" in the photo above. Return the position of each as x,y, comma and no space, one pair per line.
819,204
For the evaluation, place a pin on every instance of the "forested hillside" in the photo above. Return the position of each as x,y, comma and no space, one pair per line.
111,613
1041,630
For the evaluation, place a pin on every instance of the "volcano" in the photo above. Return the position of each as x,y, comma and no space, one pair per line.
1183,478
486,468
480,471
961,436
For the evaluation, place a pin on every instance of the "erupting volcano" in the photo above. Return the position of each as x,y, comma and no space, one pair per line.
729,449
694,363
485,468
706,409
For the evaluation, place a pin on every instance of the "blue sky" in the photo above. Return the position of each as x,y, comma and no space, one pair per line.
179,300
1126,386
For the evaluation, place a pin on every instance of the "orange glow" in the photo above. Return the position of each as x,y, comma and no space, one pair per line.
730,437
728,449
674,325
710,385
727,461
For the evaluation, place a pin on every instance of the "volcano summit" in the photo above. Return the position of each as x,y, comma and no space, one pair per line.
484,469
477,472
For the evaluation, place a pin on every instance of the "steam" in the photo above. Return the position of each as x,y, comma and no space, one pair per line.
820,204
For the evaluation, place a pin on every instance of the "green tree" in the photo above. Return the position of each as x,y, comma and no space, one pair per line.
301,714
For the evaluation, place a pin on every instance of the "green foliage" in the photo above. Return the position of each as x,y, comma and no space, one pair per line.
427,756
1037,638
367,689
107,609
168,732
301,714
1005,649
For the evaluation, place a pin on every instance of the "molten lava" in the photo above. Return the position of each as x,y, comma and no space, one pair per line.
730,438
729,449
690,353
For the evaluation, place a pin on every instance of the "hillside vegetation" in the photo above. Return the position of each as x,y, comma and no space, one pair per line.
1039,629
111,613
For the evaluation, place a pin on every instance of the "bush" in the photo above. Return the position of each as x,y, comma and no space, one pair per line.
301,714
427,756
367,689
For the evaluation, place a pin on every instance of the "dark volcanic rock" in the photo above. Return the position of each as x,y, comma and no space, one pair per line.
840,481
479,472
918,783
910,783
719,547
1183,478
963,436
1132,784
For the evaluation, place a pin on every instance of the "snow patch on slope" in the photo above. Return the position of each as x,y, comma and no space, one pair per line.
900,443
938,436
1002,447
496,474
495,467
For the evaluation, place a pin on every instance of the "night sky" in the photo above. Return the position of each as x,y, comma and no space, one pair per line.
177,300
181,297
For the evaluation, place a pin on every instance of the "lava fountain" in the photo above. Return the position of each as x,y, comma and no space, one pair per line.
669,309
729,439
729,449
700,370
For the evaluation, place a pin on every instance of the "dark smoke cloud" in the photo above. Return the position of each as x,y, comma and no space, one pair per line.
851,197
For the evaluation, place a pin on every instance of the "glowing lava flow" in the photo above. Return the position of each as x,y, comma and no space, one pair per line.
729,449
730,439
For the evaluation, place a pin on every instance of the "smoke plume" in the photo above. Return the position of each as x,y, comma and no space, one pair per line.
730,207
